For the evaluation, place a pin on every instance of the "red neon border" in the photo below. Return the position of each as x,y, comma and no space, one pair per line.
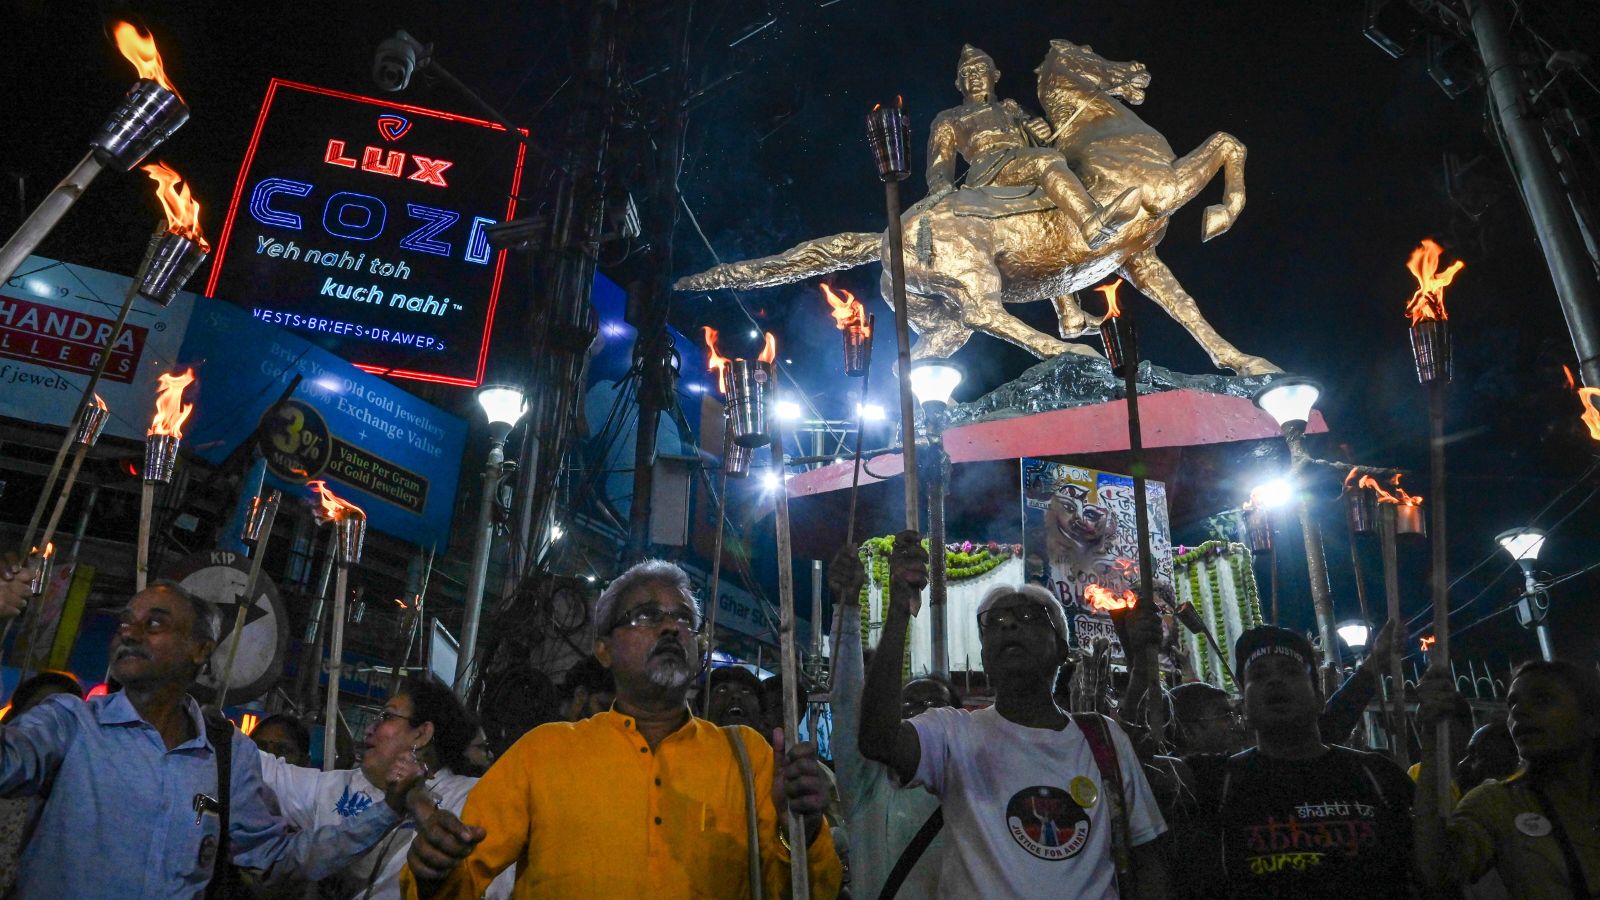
500,263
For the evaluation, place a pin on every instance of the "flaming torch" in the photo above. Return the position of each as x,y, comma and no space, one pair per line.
148,115
850,317
1400,514
889,133
172,256
735,463
747,386
1430,345
1587,396
789,665
1119,606
1110,333
160,458
257,530
350,532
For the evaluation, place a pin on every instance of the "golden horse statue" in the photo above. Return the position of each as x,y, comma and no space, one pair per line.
969,252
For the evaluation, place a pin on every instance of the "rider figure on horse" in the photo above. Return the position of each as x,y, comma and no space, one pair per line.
1000,143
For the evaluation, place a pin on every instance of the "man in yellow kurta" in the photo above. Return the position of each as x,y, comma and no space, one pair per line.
642,800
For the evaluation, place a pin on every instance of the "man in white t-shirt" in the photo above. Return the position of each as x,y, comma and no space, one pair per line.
1028,805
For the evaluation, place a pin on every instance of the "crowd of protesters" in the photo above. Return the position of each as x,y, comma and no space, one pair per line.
143,793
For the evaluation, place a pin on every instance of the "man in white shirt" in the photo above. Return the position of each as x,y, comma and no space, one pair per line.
423,718
1035,804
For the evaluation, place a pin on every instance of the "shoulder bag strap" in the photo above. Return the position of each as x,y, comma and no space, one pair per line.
752,827
1098,735
219,732
1576,881
912,853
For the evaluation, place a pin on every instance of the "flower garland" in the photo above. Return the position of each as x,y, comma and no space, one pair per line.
1219,601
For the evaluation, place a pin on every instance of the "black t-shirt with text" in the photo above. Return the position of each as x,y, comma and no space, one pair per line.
1338,825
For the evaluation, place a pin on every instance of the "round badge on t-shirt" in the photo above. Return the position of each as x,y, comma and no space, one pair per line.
1532,824
1047,822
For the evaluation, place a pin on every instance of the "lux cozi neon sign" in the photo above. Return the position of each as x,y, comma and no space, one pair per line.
362,217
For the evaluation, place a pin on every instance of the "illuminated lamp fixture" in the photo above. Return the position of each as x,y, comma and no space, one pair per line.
1354,635
1524,545
503,407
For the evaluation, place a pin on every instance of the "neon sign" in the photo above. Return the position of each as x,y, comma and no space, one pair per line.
383,235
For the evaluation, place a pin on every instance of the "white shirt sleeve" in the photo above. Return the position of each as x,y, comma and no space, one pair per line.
1145,822
938,730
295,788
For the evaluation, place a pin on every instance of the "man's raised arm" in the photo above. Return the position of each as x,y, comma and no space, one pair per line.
883,735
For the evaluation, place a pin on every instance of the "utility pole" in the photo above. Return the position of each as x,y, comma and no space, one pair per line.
653,346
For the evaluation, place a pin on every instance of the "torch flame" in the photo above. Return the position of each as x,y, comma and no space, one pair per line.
1113,311
183,211
1104,599
1428,642
99,402
1354,471
333,509
847,313
1428,301
716,362
1399,497
1591,414
769,350
171,411
49,551
140,49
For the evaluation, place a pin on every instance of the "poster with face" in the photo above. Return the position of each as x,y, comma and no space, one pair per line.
1079,529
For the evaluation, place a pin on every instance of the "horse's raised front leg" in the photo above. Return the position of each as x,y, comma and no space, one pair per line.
938,334
1072,319
983,310
1194,171
1146,272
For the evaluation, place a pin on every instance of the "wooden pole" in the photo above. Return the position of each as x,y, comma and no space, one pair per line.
330,710
1155,706
716,559
147,504
1439,578
902,336
1391,666
788,663
861,421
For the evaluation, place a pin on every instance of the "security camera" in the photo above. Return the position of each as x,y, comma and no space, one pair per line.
397,59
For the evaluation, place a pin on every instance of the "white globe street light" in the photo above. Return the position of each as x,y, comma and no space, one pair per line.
503,406
1524,545
934,380
1355,635
1272,494
1289,399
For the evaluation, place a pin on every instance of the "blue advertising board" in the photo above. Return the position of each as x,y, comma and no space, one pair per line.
392,454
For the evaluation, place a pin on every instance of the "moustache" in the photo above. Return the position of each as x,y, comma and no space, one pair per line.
669,645
126,651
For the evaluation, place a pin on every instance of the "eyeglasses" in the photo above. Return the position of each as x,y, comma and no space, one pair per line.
389,714
1027,614
649,615
912,708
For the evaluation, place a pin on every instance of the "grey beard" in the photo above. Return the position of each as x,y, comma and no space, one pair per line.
669,673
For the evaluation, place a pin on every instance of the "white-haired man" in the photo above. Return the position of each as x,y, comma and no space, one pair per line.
1037,802
641,800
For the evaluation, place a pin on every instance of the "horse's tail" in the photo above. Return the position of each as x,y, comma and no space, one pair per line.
814,257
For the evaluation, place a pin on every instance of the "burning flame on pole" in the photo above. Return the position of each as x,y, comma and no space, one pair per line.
1427,643
331,507
1104,599
1428,301
716,362
350,524
847,312
171,411
140,49
183,211
1113,309
1587,395
769,349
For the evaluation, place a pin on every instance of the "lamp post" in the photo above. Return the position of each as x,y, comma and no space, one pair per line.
1524,545
1289,402
933,381
504,406
1354,635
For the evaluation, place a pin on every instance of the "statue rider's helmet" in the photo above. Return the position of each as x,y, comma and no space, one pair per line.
974,59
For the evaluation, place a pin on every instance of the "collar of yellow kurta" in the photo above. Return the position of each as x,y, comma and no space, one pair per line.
695,727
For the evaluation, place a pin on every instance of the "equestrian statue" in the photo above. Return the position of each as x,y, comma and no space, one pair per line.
1047,207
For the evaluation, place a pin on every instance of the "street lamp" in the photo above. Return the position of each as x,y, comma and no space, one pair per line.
1355,635
503,406
1289,401
933,381
1524,545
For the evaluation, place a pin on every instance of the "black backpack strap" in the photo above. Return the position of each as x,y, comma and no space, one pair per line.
1576,881
912,853
219,732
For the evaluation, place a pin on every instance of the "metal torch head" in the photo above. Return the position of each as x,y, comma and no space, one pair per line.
91,424
1361,510
736,460
747,398
1118,340
262,507
1258,526
169,262
857,348
1430,345
351,531
147,116
1189,618
41,562
160,457
889,133
1409,521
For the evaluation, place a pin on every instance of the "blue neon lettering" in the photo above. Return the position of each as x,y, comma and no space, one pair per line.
333,216
261,202
478,241
434,221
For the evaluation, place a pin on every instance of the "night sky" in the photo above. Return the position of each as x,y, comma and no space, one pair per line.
1346,174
